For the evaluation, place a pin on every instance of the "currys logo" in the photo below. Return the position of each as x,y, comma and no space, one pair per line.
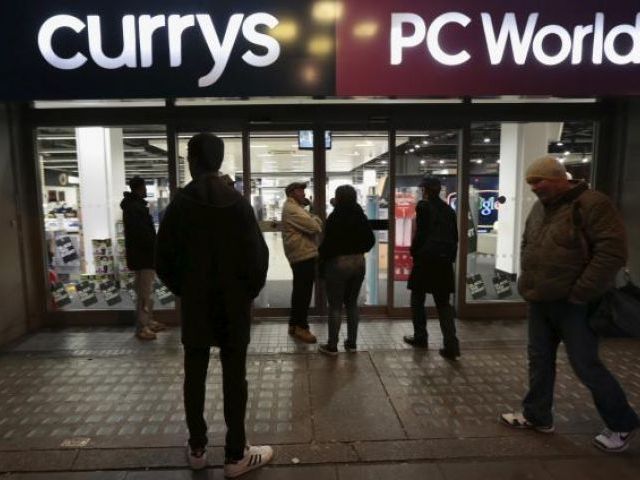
409,30
139,33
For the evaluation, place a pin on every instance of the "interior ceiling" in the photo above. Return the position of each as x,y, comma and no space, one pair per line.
145,150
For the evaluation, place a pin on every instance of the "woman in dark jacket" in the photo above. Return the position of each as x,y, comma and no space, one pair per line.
347,237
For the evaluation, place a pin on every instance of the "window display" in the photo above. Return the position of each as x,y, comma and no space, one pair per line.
84,172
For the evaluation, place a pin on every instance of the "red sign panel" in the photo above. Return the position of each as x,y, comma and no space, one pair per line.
488,47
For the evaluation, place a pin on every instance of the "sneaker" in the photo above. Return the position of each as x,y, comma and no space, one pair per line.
350,347
327,350
609,441
517,420
146,334
254,457
197,457
157,326
416,342
449,354
304,335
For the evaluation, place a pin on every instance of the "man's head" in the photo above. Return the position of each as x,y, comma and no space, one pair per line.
431,186
205,152
295,190
138,187
548,178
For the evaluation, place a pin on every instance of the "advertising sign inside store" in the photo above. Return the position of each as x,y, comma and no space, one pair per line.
178,48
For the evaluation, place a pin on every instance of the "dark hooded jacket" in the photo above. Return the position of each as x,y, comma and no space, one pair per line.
139,232
347,232
571,248
211,253
434,248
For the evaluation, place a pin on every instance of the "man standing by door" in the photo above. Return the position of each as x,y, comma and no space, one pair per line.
212,255
299,234
573,245
139,242
434,248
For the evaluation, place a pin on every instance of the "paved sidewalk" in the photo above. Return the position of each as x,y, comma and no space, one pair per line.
99,403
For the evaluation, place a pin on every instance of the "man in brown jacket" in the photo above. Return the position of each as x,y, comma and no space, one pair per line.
299,235
573,245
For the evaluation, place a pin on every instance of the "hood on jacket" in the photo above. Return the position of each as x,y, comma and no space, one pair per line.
211,190
129,198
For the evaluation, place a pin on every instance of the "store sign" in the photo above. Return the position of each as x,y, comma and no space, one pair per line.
169,48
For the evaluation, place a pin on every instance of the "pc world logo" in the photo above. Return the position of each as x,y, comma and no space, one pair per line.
410,30
138,35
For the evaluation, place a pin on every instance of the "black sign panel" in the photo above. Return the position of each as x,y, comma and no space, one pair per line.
131,49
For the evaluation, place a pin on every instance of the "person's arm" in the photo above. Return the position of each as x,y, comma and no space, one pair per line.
255,251
301,220
168,249
606,236
419,236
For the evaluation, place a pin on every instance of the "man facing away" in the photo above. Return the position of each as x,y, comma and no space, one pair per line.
433,248
573,245
212,255
139,242
299,231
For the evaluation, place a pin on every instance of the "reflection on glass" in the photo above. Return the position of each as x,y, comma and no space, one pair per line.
500,200
419,153
84,172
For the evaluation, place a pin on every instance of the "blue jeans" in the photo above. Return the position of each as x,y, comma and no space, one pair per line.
344,276
550,323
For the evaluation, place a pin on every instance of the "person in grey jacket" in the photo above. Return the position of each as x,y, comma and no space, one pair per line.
299,235
212,255
573,245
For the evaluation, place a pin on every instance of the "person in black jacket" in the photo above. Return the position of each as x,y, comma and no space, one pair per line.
139,242
211,254
348,236
434,248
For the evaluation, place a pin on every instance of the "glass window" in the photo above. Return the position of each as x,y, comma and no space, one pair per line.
419,153
84,172
231,164
500,199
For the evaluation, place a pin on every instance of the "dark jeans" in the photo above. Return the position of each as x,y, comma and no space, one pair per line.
344,276
550,323
303,275
445,314
234,388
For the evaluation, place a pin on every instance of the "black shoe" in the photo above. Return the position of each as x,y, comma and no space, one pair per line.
416,342
350,347
328,350
449,354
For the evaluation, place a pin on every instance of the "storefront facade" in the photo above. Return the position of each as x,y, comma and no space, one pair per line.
325,92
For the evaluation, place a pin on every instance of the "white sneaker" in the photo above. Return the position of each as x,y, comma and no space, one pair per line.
254,457
609,441
197,458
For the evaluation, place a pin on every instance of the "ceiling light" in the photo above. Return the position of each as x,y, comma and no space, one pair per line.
487,140
425,142
441,162
422,162
383,162
560,144
585,160
561,160
567,152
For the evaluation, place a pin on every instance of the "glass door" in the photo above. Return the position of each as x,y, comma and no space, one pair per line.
278,158
418,153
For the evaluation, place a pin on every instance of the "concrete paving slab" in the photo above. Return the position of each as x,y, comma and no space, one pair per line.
624,467
104,459
397,471
522,470
37,461
70,476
